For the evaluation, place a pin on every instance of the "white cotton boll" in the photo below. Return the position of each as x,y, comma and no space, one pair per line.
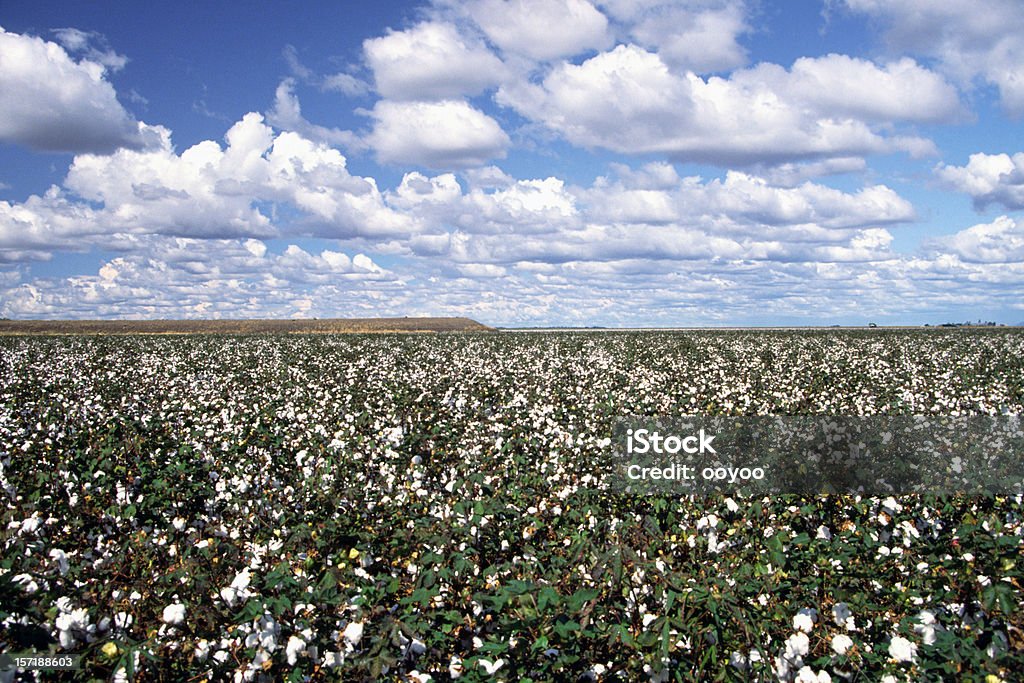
807,675
178,523
842,616
797,645
174,614
928,627
295,647
238,590
353,633
902,650
803,621
841,643
31,524
26,582
491,667
455,667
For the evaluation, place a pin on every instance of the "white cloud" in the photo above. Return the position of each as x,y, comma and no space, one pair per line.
287,115
838,85
31,229
649,213
53,103
542,30
791,174
983,39
187,278
527,206
519,208
431,61
742,195
655,175
1001,241
342,82
417,190
91,45
347,84
445,134
207,191
628,100
695,36
988,179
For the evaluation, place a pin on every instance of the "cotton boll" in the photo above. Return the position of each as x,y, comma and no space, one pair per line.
295,647
174,614
902,650
353,633
841,643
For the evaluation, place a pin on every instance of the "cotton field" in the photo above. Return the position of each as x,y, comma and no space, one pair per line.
431,507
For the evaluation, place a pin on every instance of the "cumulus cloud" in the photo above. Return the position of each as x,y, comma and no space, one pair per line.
983,39
518,208
542,30
1001,241
628,100
186,278
30,230
646,213
810,203
207,191
443,134
839,85
697,291
53,103
431,61
696,36
988,179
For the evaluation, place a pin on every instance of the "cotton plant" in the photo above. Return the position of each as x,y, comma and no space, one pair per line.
259,506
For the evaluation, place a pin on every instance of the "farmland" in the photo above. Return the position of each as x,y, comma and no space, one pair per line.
326,507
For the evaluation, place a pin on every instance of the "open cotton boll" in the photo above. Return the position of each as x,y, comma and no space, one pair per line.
841,643
902,650
353,633
174,614
295,647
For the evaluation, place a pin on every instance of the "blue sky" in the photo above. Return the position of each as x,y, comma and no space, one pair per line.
562,162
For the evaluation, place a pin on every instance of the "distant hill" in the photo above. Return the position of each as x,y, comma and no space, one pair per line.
310,326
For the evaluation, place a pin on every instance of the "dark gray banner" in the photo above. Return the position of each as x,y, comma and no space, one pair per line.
875,455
